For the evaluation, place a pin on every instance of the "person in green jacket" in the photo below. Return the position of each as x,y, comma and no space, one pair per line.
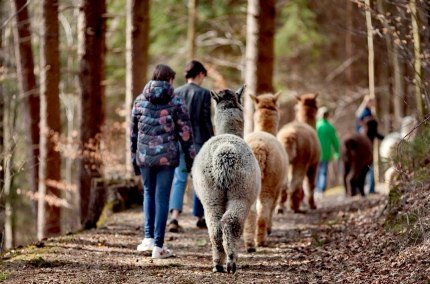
329,142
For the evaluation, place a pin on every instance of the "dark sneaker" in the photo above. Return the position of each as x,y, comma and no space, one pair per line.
201,223
173,226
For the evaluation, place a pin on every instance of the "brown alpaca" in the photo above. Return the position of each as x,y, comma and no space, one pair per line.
307,109
303,148
357,156
273,162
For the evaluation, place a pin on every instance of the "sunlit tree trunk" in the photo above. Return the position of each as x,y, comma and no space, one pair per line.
27,86
417,59
48,222
137,45
91,51
2,151
191,32
259,53
396,72
349,46
371,68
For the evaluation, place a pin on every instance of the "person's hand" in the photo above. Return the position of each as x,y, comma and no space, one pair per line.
136,168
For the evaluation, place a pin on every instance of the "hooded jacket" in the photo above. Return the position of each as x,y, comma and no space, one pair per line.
159,120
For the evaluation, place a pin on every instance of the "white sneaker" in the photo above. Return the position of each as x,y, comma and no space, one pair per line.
161,253
146,245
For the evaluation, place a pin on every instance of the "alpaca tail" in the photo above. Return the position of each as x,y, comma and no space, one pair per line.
225,159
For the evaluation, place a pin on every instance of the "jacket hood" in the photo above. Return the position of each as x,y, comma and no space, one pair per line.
158,92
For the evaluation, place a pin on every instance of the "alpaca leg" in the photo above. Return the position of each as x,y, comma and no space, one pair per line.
283,196
264,211
296,192
311,174
213,219
361,181
249,230
346,182
232,227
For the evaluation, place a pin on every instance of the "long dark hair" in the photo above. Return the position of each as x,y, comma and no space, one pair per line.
163,73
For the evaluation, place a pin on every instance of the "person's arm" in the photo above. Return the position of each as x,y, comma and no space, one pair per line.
134,130
207,113
185,133
335,143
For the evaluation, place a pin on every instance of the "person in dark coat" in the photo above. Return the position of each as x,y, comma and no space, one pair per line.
159,123
198,102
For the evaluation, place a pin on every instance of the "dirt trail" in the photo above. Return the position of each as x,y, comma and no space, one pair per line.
342,241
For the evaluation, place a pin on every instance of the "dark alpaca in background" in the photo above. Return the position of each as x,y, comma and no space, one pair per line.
357,156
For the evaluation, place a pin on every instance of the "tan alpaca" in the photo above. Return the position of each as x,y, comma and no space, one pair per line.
301,143
273,162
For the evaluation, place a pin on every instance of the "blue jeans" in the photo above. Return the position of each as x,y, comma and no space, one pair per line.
156,193
371,179
322,176
179,185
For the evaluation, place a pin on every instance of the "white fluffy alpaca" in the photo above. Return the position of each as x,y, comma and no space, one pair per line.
226,178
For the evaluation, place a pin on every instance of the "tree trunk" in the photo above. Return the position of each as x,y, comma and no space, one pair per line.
349,47
50,124
27,87
259,53
396,72
371,67
91,51
419,95
2,101
137,46
7,123
191,32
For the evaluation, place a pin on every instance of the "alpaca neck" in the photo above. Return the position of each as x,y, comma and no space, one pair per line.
228,128
229,122
306,115
266,122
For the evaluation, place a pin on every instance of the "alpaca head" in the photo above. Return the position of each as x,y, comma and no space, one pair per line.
370,128
307,109
266,116
228,111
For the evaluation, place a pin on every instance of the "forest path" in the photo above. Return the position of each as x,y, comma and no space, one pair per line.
342,241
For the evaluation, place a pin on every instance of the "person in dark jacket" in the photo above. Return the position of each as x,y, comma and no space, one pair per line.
198,102
363,113
159,121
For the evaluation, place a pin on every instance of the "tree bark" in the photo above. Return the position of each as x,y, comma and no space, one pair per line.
419,95
259,53
50,123
191,31
349,46
27,87
91,51
137,46
2,101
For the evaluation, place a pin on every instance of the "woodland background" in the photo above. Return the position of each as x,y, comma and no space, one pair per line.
70,70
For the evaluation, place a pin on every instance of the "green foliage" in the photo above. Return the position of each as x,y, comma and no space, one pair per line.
299,29
3,276
406,208
414,157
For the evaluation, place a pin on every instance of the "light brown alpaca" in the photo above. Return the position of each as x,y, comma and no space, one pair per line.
273,162
301,143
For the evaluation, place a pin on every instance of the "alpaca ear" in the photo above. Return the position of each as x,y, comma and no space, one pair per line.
254,98
240,92
298,97
276,96
215,96
316,95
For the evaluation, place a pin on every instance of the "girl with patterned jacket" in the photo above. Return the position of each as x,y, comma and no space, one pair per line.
159,121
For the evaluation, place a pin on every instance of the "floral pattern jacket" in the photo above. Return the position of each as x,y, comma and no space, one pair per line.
159,120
